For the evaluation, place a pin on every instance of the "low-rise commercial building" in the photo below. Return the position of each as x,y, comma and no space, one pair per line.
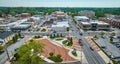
87,13
95,25
21,27
2,20
24,15
81,19
6,36
112,21
62,26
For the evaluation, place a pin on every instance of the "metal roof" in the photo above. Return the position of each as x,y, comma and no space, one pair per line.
5,34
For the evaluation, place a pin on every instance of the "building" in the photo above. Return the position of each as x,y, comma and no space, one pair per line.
95,25
111,21
62,26
81,19
21,27
6,36
2,20
24,15
4,27
59,15
87,13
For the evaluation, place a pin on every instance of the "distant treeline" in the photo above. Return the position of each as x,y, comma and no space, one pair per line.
38,10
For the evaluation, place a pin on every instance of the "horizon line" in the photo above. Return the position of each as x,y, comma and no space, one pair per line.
56,7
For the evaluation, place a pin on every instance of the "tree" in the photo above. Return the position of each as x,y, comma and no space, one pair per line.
1,47
102,33
99,14
19,34
51,54
16,55
24,53
13,13
111,40
67,28
0,13
113,34
37,46
61,35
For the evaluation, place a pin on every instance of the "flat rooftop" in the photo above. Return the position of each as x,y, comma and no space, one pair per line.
97,22
61,24
81,17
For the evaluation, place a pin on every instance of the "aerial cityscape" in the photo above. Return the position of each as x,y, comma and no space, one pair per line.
59,32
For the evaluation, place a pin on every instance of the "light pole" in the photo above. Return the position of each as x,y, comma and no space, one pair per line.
7,52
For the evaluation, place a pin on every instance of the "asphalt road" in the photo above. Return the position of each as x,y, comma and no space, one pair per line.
92,56
11,49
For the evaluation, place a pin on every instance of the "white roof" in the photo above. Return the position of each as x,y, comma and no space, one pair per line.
80,17
61,24
22,25
35,18
85,23
17,22
98,22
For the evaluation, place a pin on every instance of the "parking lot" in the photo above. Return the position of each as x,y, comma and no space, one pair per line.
110,49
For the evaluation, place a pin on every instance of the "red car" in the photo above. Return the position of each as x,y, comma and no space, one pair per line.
80,42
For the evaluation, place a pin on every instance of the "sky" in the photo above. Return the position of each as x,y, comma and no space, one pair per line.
60,3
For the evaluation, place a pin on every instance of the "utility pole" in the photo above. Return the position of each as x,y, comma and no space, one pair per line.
81,56
7,52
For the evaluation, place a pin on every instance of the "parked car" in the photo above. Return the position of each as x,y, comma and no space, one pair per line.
91,48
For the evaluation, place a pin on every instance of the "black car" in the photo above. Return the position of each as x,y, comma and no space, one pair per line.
91,48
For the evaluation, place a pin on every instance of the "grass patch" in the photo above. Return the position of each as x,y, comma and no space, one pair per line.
59,38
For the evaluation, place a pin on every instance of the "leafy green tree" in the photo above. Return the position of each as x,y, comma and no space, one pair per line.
51,54
102,33
113,34
26,56
13,13
99,14
1,47
0,13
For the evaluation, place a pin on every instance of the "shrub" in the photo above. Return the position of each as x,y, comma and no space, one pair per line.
56,58
74,53
64,42
51,54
